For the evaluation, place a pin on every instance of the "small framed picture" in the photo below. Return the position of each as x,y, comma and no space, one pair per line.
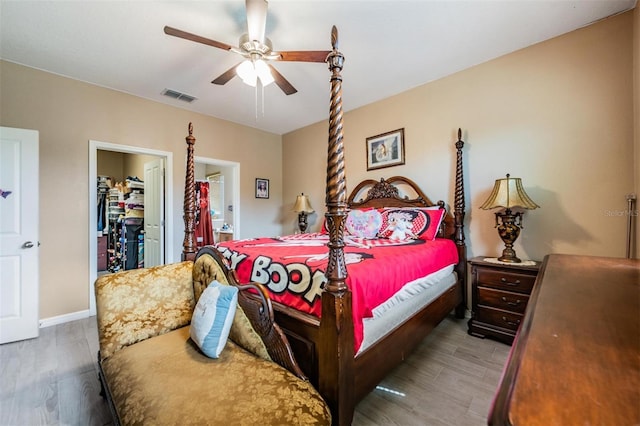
385,150
262,188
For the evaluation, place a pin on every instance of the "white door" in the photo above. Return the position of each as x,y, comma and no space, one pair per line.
154,213
19,275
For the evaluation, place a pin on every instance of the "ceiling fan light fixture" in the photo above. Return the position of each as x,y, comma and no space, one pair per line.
255,48
263,72
249,71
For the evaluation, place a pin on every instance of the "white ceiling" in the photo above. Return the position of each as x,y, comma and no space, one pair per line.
389,46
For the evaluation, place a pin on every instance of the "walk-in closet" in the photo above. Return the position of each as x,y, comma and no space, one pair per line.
121,210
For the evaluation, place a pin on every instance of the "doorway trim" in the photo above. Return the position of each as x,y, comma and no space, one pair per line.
236,187
94,146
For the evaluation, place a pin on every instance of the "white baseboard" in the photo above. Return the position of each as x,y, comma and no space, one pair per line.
61,319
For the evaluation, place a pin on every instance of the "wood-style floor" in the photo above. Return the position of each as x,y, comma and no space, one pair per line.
449,380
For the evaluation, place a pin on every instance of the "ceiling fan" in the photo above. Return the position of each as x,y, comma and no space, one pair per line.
257,51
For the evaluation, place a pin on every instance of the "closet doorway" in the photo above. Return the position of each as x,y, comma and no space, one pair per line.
223,179
153,170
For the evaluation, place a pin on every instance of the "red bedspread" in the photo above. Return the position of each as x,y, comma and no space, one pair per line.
292,267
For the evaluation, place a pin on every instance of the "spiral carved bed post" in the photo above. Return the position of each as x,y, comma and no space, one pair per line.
458,213
189,242
336,325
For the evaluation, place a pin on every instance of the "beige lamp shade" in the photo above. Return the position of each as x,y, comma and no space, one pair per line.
302,204
507,193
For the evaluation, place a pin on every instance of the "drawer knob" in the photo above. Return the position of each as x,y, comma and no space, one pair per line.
510,302
511,323
507,282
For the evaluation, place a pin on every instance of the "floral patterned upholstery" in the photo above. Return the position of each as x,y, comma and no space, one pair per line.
155,374
141,303
138,304
166,380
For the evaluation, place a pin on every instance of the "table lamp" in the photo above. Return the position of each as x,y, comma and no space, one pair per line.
508,193
302,207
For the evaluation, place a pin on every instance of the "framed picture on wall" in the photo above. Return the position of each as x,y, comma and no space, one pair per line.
385,150
262,188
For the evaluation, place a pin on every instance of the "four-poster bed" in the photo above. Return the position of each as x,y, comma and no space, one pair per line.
325,343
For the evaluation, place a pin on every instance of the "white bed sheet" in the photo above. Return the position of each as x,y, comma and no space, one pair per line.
405,303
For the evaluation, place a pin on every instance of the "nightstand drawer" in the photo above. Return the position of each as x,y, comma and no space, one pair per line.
225,236
510,281
506,300
499,318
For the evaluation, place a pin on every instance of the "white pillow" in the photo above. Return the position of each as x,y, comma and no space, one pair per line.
212,318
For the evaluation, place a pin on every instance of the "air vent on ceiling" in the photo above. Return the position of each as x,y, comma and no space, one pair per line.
177,95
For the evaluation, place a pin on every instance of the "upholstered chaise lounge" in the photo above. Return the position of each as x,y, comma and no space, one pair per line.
152,372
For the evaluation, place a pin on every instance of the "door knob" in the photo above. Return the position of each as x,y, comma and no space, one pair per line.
28,244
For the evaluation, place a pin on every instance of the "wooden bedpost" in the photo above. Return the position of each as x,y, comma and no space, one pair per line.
458,212
189,243
335,352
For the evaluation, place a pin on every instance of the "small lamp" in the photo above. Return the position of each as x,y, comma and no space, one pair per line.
509,193
302,207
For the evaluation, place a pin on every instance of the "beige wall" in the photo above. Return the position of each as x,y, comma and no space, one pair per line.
559,115
133,165
120,165
68,114
110,163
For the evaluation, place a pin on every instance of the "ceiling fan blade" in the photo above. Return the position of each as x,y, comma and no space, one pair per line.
282,82
226,76
198,39
256,19
304,55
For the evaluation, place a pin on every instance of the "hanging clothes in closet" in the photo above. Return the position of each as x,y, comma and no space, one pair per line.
204,228
103,190
132,233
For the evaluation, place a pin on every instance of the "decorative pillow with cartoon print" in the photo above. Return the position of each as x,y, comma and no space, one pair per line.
410,223
364,223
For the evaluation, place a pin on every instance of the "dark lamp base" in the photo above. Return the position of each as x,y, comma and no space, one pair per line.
509,259
509,230
302,222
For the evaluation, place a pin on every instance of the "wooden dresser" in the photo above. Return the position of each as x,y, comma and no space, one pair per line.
576,358
499,297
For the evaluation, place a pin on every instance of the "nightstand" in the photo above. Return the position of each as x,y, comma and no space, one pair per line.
225,236
499,297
